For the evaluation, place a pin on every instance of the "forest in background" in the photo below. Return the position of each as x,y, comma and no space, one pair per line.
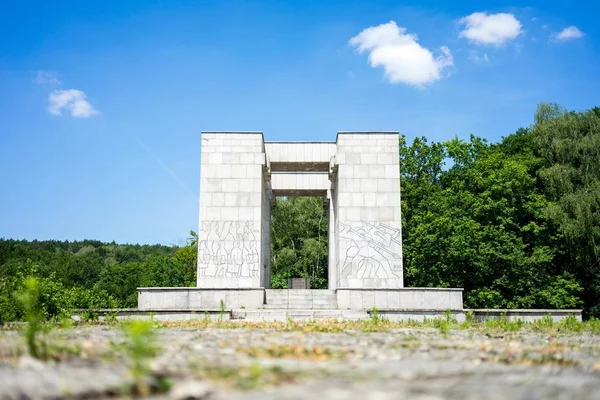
515,223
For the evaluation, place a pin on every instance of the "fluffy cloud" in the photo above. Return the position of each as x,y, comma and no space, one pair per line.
490,29
402,58
43,77
71,100
571,32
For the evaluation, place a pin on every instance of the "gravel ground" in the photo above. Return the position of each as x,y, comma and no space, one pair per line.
266,364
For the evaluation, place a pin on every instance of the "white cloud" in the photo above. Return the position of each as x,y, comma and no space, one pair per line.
43,77
71,100
402,58
571,32
490,29
480,59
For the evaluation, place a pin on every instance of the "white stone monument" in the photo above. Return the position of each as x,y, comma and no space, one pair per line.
358,177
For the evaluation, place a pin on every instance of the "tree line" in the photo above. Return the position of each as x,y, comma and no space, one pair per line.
88,274
515,223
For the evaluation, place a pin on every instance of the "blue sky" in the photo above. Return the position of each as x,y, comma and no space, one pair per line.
102,102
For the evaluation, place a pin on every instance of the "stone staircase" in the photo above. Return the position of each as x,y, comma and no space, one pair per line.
283,315
303,299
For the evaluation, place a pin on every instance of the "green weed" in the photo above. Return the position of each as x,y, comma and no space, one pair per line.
570,324
291,323
89,316
62,322
504,324
221,309
30,299
543,324
375,318
593,325
111,317
469,321
141,346
444,324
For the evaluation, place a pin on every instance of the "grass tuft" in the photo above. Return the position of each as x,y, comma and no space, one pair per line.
140,346
36,325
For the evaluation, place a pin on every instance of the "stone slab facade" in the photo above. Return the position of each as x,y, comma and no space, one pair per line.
199,298
234,211
368,236
300,299
396,299
358,177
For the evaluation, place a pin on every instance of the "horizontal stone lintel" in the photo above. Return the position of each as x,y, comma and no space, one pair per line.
299,166
299,192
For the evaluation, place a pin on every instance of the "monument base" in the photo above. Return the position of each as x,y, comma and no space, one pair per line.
405,298
199,298
258,298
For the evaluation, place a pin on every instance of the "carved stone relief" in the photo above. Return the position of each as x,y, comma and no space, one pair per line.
228,249
374,252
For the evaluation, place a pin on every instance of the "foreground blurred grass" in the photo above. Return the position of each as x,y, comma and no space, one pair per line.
375,324
379,324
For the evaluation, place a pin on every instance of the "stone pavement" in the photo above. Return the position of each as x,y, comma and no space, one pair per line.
268,364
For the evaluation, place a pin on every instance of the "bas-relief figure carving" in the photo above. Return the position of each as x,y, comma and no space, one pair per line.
229,250
373,252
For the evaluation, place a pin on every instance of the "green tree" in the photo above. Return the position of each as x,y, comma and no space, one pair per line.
187,257
121,280
88,274
570,145
479,223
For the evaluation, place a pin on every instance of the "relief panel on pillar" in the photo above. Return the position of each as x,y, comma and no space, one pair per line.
228,249
373,251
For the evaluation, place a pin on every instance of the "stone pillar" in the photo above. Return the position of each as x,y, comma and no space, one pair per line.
332,274
231,234
369,251
267,203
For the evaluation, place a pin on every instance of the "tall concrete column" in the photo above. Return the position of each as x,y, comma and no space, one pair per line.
232,213
368,211
332,276
267,204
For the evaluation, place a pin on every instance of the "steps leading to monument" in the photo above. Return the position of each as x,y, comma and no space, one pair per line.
300,299
282,315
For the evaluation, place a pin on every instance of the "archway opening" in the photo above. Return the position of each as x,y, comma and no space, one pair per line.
299,241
